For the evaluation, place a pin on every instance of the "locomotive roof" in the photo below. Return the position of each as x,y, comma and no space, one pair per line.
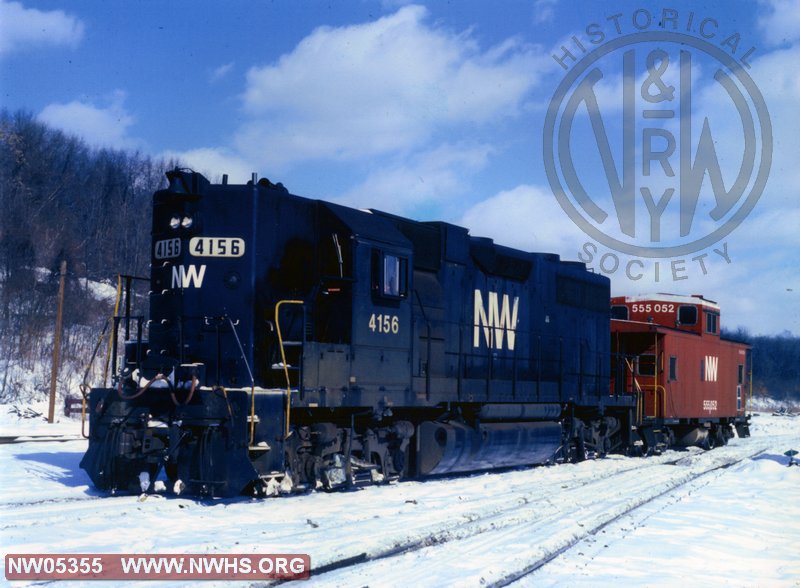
367,225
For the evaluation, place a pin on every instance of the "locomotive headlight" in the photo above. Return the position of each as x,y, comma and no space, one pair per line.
174,222
186,222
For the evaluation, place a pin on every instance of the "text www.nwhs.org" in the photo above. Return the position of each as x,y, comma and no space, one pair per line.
93,566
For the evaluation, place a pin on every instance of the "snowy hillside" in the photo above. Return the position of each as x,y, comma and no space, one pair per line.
730,516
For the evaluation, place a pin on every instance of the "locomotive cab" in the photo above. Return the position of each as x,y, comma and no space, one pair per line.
261,302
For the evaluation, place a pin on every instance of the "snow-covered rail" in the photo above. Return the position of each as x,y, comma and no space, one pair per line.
475,542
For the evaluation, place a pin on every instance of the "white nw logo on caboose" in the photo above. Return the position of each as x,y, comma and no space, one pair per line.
498,322
710,368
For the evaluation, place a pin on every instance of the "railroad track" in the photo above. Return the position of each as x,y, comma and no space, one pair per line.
604,522
9,439
539,513
519,519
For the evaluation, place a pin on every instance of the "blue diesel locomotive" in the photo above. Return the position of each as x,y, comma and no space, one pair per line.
295,343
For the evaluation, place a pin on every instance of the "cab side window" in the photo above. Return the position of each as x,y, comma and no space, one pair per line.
389,275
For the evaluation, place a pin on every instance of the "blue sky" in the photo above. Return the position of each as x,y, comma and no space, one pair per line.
433,110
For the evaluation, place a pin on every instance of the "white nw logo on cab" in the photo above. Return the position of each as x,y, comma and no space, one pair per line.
498,323
190,277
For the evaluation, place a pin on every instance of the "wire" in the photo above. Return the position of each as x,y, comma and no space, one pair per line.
252,383
195,381
141,390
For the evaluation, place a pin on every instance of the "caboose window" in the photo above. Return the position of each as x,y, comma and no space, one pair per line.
619,312
673,367
712,322
687,315
647,365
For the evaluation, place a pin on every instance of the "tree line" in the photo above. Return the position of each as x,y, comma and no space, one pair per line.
64,200
61,199
776,363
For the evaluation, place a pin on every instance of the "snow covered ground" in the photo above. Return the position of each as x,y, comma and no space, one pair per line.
727,517
740,527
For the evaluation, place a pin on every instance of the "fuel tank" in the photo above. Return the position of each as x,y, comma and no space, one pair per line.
449,447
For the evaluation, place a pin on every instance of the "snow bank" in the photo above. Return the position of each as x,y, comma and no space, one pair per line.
31,419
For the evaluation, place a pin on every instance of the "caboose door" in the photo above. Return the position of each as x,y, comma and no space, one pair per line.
650,376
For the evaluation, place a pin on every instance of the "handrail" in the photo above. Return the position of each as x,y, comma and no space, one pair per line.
639,391
84,386
428,336
252,379
283,357
111,348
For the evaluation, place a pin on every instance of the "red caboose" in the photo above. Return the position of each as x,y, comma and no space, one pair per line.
691,384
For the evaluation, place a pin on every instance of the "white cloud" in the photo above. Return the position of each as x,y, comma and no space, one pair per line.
21,28
544,11
434,178
776,76
528,218
758,289
99,126
762,273
213,162
781,22
380,87
221,72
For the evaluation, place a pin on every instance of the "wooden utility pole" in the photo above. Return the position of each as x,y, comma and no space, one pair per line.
51,414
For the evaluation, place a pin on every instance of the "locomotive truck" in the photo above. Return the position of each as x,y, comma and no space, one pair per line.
294,343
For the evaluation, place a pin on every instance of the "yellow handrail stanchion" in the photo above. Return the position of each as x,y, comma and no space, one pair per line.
639,392
111,338
283,358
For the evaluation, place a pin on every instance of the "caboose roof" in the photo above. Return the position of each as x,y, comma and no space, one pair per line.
695,299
